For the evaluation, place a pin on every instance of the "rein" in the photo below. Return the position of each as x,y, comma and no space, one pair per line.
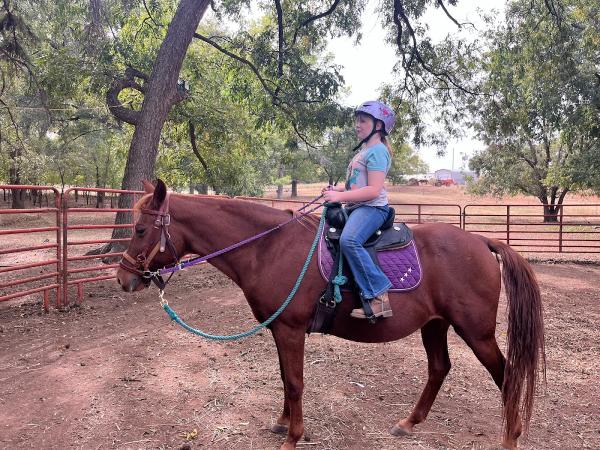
141,263
267,322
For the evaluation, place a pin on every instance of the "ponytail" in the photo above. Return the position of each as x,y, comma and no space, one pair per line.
386,142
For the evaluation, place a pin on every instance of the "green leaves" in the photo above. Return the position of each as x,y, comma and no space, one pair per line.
539,114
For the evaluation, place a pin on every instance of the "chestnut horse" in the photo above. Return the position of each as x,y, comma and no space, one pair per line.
460,288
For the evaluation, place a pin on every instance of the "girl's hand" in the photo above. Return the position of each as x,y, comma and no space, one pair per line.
333,188
332,196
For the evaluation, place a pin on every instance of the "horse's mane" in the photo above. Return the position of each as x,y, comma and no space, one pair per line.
310,221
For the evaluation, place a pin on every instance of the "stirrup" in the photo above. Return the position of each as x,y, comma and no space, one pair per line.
385,309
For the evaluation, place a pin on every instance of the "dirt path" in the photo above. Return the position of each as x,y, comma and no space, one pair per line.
116,373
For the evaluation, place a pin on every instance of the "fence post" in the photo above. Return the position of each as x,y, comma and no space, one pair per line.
560,231
59,242
419,213
65,265
508,224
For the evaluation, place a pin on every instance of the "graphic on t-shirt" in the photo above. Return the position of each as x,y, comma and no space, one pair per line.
375,158
353,178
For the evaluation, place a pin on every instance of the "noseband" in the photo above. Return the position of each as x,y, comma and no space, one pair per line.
140,265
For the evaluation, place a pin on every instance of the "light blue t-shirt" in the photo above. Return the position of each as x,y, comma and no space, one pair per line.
374,158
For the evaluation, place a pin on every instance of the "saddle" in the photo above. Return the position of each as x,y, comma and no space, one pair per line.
389,237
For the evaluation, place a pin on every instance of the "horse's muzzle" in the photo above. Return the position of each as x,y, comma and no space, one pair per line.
130,282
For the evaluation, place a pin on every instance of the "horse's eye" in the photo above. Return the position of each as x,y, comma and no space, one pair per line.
140,231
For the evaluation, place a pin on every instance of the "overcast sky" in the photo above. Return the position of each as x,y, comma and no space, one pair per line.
369,65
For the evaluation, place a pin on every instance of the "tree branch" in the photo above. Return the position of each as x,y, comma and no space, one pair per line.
150,15
281,39
192,134
458,24
399,17
115,106
310,19
562,195
554,12
14,123
252,67
66,143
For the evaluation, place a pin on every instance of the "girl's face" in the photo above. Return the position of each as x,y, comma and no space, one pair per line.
363,125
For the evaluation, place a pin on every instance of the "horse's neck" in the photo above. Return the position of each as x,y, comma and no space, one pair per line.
212,224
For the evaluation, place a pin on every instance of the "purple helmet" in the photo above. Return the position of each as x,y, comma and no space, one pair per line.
379,111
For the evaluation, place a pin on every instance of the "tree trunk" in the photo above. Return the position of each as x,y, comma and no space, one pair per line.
99,184
160,94
294,188
280,174
551,213
15,178
209,175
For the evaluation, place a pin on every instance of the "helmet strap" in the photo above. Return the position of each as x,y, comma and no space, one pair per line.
373,131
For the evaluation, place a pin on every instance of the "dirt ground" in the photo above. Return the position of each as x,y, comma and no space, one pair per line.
115,372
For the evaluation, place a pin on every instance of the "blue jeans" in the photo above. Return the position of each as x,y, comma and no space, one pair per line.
362,223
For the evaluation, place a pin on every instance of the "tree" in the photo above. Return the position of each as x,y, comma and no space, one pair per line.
53,64
336,152
289,74
405,162
434,81
540,113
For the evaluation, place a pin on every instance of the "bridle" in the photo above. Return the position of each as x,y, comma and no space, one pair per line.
140,265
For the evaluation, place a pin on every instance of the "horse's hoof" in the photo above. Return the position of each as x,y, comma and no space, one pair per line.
399,431
277,428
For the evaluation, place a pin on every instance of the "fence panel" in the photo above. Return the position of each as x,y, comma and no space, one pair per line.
90,228
30,248
415,213
575,229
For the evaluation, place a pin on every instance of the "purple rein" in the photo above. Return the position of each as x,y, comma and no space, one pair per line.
191,262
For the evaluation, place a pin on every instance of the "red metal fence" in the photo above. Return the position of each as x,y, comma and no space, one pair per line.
36,266
80,235
575,229
54,258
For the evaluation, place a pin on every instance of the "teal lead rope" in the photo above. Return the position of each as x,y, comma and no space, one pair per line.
339,280
276,314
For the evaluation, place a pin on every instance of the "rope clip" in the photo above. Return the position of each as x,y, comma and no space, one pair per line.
163,301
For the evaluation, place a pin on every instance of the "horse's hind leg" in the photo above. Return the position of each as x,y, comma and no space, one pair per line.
435,339
487,352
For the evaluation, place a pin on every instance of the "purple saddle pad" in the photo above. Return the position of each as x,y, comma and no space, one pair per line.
401,265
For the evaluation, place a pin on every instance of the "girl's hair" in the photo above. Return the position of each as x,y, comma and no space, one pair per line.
386,142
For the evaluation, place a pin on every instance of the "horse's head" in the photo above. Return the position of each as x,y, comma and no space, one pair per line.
151,246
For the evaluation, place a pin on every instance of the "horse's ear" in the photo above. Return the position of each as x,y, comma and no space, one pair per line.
148,187
160,192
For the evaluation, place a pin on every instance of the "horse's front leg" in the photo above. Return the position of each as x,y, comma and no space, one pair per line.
283,423
290,346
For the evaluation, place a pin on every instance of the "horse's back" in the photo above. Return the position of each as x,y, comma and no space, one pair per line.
461,274
447,243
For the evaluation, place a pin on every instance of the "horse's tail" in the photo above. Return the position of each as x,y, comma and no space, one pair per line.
525,355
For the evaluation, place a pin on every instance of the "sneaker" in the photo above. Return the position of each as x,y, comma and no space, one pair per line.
380,306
